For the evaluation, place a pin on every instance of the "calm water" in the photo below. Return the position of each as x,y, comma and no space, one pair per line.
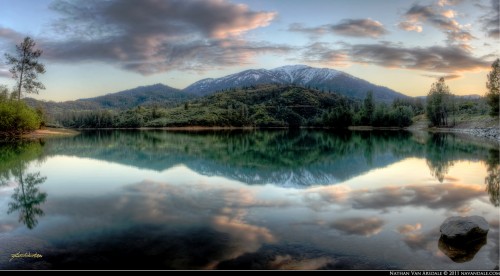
245,200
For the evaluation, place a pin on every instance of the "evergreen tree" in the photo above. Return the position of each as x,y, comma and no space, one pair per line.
26,67
368,108
438,101
493,95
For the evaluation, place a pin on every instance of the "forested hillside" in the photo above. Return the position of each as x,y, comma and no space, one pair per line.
262,106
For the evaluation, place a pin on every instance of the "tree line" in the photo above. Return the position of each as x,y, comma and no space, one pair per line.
261,106
443,107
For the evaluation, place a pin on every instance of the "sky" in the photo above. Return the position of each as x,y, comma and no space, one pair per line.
96,47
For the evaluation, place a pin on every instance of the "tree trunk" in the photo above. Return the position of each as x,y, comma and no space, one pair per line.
21,76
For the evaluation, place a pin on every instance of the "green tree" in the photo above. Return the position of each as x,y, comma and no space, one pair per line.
368,108
493,95
438,103
26,67
17,117
4,93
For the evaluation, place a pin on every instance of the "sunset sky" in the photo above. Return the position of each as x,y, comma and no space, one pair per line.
94,47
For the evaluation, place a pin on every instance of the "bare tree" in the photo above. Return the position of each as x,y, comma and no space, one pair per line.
26,67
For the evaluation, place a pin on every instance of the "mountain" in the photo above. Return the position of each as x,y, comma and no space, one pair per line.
141,96
262,106
325,79
144,95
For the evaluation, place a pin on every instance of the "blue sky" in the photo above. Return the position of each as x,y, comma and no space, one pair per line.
96,47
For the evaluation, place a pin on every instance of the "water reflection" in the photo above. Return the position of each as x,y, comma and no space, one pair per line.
27,198
17,156
359,226
461,253
284,158
492,180
188,200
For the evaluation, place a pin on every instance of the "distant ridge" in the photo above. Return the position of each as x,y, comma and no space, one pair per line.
143,95
328,80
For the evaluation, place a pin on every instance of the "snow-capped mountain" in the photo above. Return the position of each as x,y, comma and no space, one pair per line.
328,80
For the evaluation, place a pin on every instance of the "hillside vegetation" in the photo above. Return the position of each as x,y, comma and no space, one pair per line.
262,106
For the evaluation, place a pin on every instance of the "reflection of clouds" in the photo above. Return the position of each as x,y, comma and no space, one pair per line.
359,226
417,240
451,196
494,239
408,228
287,262
320,197
222,207
245,237
231,223
446,196
6,227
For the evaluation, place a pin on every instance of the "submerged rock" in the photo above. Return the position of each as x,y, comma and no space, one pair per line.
462,237
464,229
461,252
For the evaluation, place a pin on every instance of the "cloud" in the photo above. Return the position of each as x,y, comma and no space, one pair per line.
314,31
360,28
347,27
410,26
4,72
449,13
435,58
321,53
10,35
155,36
443,3
446,77
359,226
439,18
451,60
491,21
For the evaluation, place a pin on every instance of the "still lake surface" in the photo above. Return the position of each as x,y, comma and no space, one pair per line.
245,200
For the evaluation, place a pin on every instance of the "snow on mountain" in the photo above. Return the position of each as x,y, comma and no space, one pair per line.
325,79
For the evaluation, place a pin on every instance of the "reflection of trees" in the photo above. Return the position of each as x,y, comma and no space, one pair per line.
492,180
439,153
17,155
14,160
255,157
27,198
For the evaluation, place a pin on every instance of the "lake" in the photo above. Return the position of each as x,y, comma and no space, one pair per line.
277,199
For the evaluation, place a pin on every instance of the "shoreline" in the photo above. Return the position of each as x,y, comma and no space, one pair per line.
491,133
49,132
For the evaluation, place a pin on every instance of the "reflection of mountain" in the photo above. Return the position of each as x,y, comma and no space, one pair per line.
285,158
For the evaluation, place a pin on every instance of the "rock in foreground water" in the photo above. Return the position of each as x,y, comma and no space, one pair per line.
464,229
461,252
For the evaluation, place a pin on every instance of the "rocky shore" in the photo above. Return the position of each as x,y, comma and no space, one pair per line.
488,133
